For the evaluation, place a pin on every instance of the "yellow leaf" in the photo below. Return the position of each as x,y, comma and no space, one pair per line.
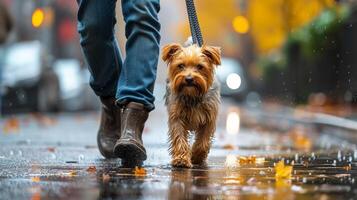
70,173
282,171
35,179
247,160
282,183
139,171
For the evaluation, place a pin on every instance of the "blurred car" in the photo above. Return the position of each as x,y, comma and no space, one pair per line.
28,83
75,93
233,78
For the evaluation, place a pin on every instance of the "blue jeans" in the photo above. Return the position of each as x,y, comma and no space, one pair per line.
131,79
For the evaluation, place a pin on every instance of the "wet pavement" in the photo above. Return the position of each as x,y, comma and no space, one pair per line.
255,155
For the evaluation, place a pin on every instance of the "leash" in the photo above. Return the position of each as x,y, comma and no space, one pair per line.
194,24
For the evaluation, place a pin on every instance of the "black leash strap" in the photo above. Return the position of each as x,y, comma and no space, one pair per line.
194,24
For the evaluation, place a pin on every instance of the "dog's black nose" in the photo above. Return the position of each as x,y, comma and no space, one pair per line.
189,79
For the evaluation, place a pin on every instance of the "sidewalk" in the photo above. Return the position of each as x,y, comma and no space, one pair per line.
55,157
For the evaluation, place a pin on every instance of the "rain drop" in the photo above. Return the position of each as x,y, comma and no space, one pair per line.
304,180
11,153
296,157
19,153
80,157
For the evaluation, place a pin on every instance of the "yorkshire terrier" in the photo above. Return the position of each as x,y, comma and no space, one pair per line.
192,99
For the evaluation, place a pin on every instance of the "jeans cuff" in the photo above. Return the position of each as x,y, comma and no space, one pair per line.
122,103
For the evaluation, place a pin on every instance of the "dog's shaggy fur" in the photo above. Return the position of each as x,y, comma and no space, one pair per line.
192,99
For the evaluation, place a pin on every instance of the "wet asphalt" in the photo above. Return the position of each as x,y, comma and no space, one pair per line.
54,156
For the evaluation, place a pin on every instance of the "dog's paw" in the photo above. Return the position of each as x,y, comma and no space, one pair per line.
182,163
199,161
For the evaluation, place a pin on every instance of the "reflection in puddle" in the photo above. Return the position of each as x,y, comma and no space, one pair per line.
231,161
233,122
270,178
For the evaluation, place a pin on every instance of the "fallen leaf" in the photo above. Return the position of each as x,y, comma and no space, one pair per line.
139,171
44,120
11,125
247,160
282,171
51,149
228,147
35,179
282,183
348,167
302,142
91,169
71,173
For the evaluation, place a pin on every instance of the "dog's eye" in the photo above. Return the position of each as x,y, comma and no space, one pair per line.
199,67
181,66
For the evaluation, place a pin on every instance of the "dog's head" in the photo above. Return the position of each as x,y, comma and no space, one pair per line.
191,69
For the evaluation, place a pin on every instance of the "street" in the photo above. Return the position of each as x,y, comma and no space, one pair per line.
55,157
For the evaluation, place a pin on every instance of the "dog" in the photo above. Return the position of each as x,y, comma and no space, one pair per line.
192,99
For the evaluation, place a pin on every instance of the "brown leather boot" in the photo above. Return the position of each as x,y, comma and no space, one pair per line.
130,146
109,129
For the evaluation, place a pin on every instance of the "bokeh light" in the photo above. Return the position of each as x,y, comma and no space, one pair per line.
38,17
241,24
233,81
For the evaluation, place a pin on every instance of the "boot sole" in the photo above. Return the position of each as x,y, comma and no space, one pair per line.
129,151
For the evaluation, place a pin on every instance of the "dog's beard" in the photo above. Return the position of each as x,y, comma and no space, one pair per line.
190,90
194,89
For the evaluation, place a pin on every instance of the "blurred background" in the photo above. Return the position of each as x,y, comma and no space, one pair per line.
294,53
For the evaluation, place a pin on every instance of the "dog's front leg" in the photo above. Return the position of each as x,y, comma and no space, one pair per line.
179,146
202,145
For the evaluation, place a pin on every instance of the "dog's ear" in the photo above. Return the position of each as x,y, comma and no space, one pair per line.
212,53
169,50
